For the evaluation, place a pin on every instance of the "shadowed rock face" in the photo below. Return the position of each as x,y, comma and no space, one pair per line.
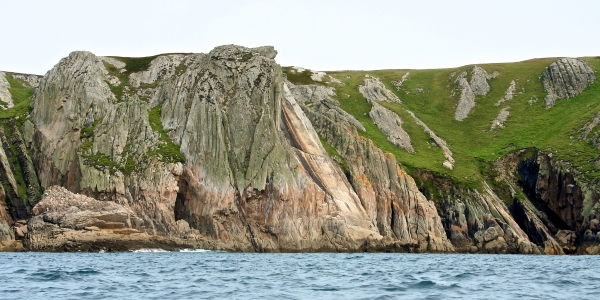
566,78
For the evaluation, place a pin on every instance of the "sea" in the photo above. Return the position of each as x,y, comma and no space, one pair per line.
199,274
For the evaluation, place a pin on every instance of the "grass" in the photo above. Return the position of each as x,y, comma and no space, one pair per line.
335,155
13,159
296,77
132,65
168,150
136,64
427,94
22,96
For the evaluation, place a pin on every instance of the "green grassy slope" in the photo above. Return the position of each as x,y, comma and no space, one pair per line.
427,94
22,94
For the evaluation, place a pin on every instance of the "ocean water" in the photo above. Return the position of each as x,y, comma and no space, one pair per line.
222,275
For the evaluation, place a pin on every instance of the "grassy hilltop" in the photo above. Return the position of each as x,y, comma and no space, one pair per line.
427,93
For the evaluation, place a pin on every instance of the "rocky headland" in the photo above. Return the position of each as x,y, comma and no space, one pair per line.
230,151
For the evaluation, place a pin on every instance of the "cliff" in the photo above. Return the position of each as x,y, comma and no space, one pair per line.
228,150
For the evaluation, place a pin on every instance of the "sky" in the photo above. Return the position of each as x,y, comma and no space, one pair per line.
320,35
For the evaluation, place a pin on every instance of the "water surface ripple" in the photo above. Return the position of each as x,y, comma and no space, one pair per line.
221,275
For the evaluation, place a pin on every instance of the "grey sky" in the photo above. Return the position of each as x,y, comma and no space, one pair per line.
321,35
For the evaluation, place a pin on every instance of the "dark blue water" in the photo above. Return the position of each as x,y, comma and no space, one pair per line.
220,275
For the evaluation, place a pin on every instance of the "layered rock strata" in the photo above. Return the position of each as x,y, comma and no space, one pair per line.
64,221
566,78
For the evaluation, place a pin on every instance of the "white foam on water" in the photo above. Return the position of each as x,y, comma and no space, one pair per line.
150,250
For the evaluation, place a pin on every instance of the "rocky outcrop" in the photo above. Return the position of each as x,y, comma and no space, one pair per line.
588,128
566,78
509,94
319,98
390,124
5,96
6,220
373,89
255,176
559,200
64,221
32,80
160,67
501,118
469,89
480,222
399,82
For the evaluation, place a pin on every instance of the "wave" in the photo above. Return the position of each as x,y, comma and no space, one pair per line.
149,250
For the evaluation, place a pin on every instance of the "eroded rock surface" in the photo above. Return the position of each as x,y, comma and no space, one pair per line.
388,122
501,118
469,89
391,125
566,78
481,222
67,221
162,66
373,89
509,94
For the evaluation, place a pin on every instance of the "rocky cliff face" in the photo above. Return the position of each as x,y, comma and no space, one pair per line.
255,176
220,151
406,219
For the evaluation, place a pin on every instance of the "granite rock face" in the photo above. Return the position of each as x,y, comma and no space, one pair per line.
480,222
566,78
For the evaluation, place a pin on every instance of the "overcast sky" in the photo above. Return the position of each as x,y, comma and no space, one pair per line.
320,35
